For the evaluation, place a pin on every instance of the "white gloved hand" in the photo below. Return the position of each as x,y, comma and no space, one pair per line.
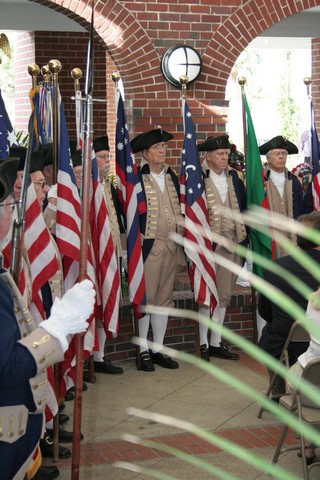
53,192
124,260
70,314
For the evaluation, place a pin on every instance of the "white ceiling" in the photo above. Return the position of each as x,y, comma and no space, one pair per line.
293,32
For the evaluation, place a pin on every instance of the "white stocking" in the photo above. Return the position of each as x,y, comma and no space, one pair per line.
215,338
144,323
203,328
159,327
98,356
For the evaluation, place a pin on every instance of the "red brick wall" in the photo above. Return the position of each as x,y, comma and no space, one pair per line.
137,34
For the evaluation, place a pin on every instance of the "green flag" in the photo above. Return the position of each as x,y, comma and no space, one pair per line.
260,243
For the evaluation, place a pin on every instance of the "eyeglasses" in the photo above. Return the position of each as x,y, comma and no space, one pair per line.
11,204
279,154
43,183
159,146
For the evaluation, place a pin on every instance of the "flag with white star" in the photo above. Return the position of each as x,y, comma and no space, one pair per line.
194,206
7,135
133,203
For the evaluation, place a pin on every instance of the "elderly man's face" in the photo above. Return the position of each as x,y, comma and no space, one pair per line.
218,159
5,216
18,185
104,162
156,155
277,159
40,186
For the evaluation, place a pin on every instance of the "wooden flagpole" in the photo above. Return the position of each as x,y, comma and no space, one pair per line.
86,178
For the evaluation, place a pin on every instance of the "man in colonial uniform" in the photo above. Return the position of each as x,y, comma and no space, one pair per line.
224,191
160,253
283,189
26,351
102,151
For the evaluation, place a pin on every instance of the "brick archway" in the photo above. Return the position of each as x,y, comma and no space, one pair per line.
135,40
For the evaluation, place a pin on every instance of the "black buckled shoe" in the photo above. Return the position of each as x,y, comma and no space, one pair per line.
223,352
46,447
163,360
46,473
63,418
64,435
107,367
146,363
84,388
204,352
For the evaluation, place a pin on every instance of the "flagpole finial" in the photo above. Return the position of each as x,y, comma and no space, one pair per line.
55,66
242,81
34,71
307,81
45,72
184,79
115,78
76,74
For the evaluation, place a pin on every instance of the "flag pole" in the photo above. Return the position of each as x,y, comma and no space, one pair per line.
308,81
55,68
242,81
84,240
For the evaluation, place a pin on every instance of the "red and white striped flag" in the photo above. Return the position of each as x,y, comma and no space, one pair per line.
133,203
194,207
106,266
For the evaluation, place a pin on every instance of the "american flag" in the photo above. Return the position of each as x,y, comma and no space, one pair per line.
7,135
68,228
194,206
315,158
106,267
133,203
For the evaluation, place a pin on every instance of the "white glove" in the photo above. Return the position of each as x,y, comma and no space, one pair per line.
69,315
53,192
124,260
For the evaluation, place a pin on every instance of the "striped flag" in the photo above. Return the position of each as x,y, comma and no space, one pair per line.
68,228
315,159
106,267
195,209
133,203
41,100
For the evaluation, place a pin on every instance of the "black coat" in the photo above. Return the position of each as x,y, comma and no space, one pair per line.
275,333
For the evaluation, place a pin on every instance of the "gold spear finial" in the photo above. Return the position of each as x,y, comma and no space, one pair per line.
34,71
184,79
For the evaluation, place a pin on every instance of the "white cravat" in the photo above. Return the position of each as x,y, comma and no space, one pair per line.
221,183
160,179
278,180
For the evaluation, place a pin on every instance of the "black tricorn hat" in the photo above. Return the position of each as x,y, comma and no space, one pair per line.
76,157
214,143
147,139
278,142
8,175
37,161
48,153
19,152
101,143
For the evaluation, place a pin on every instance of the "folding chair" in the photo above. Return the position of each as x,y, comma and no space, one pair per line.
309,415
297,334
